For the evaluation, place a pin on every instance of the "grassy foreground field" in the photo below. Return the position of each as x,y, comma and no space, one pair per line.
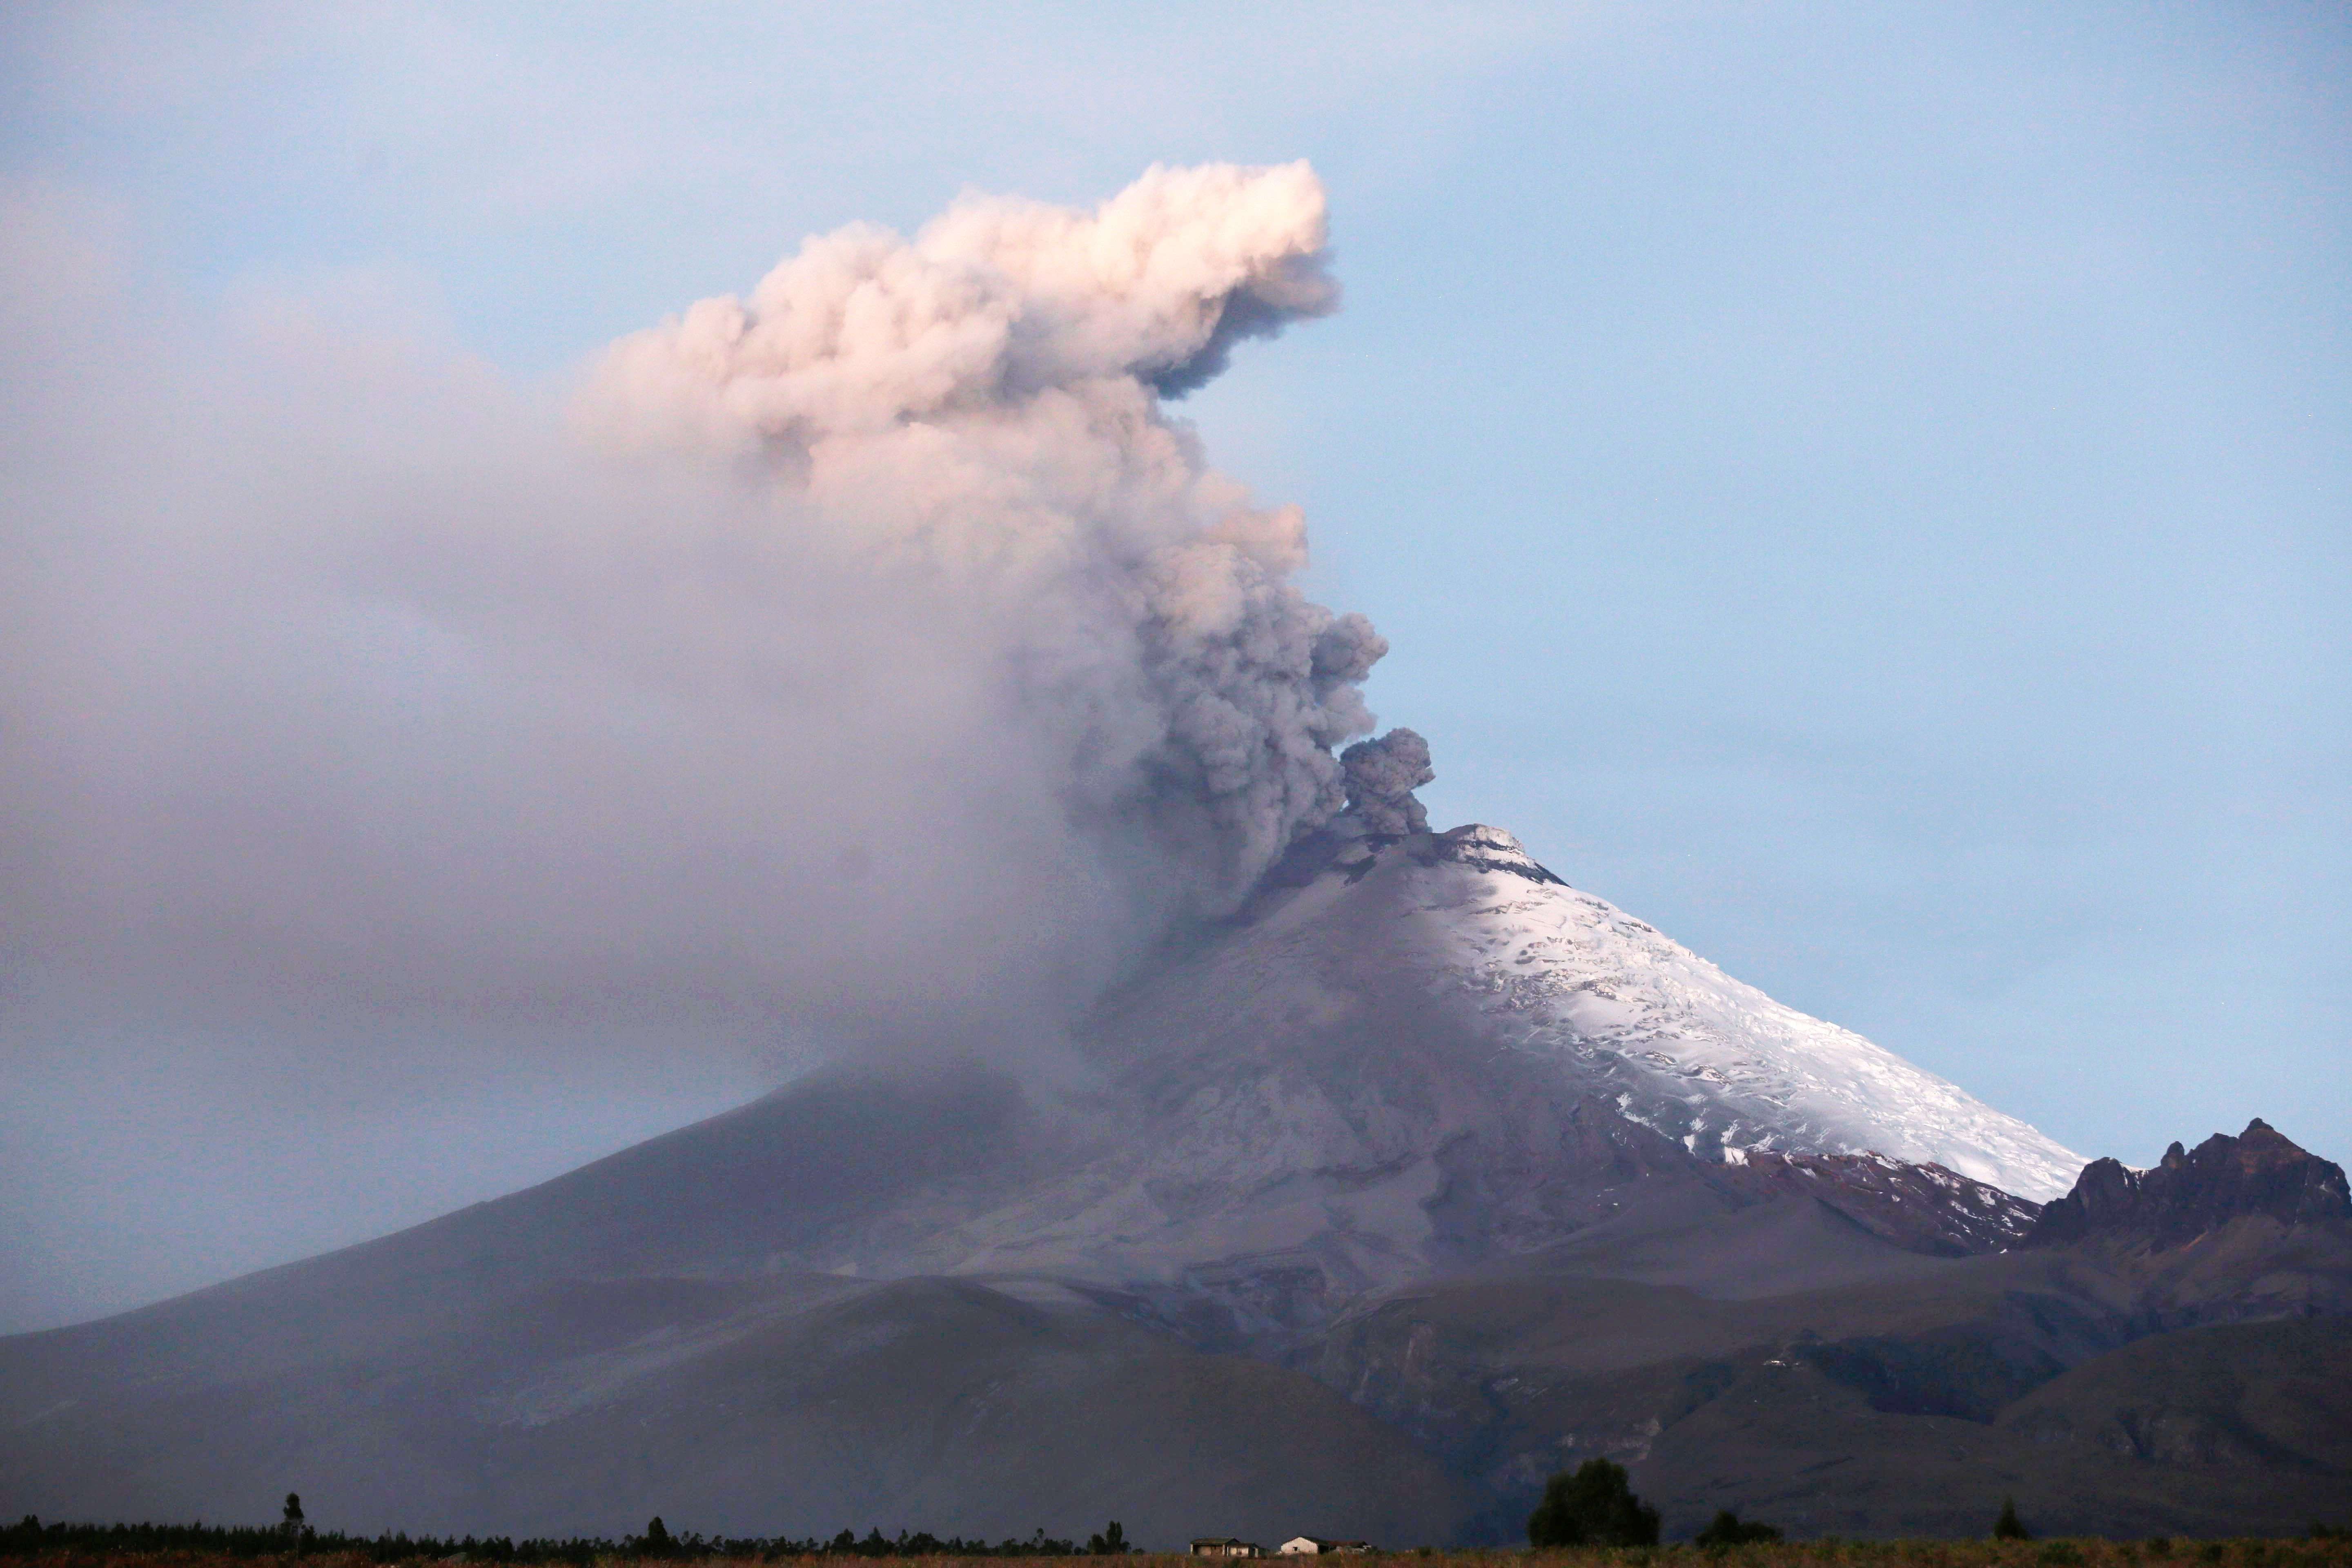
2328,1552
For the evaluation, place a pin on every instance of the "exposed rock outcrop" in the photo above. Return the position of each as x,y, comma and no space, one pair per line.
2191,1192
1920,1208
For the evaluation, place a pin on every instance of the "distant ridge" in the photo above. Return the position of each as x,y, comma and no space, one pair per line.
2193,1192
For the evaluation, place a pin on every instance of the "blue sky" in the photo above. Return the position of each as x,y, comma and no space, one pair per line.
1867,488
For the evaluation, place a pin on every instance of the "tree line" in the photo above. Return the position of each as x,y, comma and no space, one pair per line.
30,1534
1594,1505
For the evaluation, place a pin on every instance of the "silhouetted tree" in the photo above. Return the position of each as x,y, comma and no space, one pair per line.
1594,1507
1111,1543
2008,1527
1728,1531
657,1541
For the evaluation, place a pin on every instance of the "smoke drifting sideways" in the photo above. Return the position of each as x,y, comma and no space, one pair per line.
869,659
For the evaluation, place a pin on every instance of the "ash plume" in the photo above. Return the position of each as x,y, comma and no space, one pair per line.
980,406
870,657
1382,775
867,663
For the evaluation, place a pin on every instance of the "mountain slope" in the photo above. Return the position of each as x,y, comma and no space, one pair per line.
799,1404
1548,972
1764,1360
925,1294
1379,1066
1345,1073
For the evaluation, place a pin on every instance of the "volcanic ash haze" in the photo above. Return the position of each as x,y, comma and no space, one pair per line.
980,408
882,612
868,659
911,677
908,677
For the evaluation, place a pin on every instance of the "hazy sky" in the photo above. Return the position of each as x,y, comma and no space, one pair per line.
1866,488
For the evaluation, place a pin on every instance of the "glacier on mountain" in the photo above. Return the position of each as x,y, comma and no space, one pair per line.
1558,974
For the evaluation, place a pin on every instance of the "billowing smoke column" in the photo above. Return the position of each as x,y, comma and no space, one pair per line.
382,742
980,408
1381,777
886,671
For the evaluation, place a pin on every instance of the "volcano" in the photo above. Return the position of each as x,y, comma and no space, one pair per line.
1422,1176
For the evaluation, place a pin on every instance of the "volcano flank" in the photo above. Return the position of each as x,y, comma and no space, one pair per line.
1421,1177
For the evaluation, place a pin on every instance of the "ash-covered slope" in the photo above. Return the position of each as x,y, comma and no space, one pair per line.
1466,935
1408,1055
1412,1060
1416,1053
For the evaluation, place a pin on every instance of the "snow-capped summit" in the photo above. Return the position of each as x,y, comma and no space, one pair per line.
1676,1043
1414,1053
1464,942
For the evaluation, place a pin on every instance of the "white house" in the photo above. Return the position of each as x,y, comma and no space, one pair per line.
1315,1546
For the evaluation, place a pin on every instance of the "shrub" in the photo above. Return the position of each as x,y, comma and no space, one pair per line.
1594,1507
1728,1531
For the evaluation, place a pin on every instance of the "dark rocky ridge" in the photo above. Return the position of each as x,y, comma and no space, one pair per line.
2205,1388
2193,1192
1920,1208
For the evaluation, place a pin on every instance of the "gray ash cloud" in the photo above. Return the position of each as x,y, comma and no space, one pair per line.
980,404
869,663
1382,775
871,656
